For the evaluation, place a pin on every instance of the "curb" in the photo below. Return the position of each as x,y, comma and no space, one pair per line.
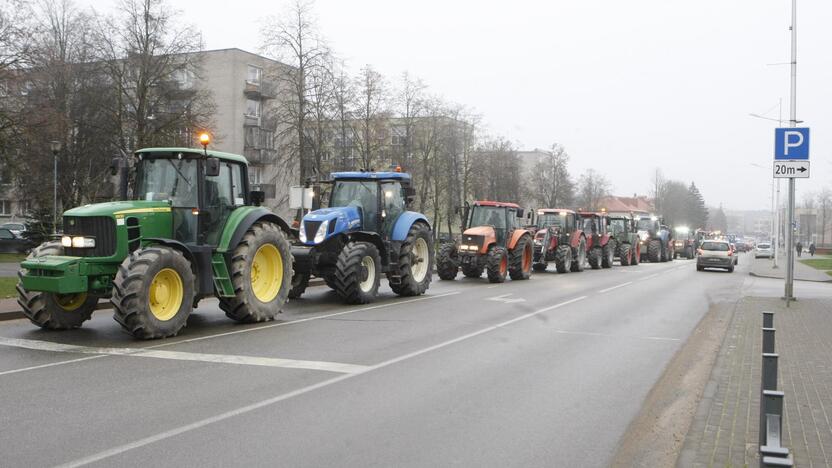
757,275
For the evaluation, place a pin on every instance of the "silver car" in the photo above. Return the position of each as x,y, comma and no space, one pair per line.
715,254
763,249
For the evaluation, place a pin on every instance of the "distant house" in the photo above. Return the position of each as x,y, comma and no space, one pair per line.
626,204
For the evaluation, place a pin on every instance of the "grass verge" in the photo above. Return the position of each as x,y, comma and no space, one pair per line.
818,263
7,288
12,257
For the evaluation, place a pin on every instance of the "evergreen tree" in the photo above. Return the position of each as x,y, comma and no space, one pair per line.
698,212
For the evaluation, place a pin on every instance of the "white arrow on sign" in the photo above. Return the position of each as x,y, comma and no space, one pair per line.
505,299
791,169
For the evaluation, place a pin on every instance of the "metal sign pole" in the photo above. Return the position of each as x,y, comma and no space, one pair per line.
789,292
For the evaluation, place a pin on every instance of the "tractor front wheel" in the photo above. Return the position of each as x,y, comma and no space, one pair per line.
497,265
654,251
563,259
261,272
54,311
153,292
579,261
357,273
625,254
300,281
415,262
520,262
447,262
540,267
608,254
595,255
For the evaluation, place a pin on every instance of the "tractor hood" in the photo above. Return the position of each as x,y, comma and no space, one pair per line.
315,227
120,208
485,231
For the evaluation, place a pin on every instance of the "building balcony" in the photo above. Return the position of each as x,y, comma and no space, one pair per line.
262,90
259,155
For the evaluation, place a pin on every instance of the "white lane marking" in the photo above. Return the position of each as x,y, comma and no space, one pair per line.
615,287
276,399
649,277
247,330
505,299
492,287
342,368
611,335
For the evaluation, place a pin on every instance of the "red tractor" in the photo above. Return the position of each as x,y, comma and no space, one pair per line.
493,240
559,239
600,246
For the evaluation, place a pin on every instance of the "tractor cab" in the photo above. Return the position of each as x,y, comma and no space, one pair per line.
492,221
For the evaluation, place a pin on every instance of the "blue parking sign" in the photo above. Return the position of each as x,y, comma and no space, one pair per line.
791,143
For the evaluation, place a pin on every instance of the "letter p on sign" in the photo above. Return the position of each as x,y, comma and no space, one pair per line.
791,143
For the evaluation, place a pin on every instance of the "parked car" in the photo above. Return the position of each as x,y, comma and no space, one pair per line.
17,228
10,243
763,249
715,254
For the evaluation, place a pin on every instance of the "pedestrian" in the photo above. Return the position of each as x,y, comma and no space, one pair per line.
799,248
812,249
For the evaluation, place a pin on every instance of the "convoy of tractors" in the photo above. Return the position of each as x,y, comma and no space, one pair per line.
192,228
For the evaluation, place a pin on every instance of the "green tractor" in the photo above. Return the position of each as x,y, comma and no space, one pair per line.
191,229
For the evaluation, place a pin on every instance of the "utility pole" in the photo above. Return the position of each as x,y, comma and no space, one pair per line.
789,292
776,219
55,146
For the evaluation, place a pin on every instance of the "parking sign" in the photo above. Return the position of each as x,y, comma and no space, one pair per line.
791,143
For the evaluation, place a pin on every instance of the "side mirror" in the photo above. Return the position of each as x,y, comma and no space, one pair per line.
212,167
116,164
520,214
257,197
409,195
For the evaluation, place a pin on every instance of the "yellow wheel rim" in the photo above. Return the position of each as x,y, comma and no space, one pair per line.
70,302
166,294
266,273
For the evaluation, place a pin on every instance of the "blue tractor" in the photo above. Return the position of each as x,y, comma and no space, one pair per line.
366,231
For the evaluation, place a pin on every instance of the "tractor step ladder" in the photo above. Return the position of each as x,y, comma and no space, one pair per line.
222,279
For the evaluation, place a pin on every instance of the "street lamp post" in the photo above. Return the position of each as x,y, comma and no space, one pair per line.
55,146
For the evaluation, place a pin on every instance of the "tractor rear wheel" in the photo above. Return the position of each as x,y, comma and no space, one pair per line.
563,259
261,272
415,262
54,311
300,281
447,262
595,255
579,261
654,251
357,273
539,267
497,265
608,254
520,260
153,292
625,254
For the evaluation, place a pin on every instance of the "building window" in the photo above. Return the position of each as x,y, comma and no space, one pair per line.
5,207
252,108
253,75
184,78
255,175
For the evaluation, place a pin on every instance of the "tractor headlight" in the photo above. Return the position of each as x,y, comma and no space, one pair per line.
78,242
321,234
643,236
302,232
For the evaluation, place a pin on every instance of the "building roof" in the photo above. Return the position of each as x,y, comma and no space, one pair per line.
212,153
627,204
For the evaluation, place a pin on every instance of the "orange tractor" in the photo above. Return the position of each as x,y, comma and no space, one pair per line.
494,240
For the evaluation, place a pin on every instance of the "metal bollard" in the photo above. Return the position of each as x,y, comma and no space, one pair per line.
768,340
770,371
771,426
768,319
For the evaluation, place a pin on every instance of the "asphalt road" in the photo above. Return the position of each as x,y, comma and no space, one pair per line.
546,372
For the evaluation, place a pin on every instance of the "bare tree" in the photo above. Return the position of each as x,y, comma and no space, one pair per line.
323,106
592,187
293,38
343,100
825,202
551,185
657,188
410,103
155,64
372,116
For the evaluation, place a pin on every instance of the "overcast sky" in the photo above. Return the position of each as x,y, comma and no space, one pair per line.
626,87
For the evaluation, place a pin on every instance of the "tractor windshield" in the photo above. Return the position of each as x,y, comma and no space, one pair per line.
618,225
552,220
163,179
488,215
589,225
360,194
646,224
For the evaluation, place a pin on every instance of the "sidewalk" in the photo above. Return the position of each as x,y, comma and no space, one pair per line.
725,428
763,267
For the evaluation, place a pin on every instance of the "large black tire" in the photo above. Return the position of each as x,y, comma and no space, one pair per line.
357,273
579,260
497,265
472,270
625,254
700,268
447,262
594,258
329,279
608,255
689,253
520,259
654,251
50,310
300,281
246,306
539,267
670,253
563,259
415,262
144,292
